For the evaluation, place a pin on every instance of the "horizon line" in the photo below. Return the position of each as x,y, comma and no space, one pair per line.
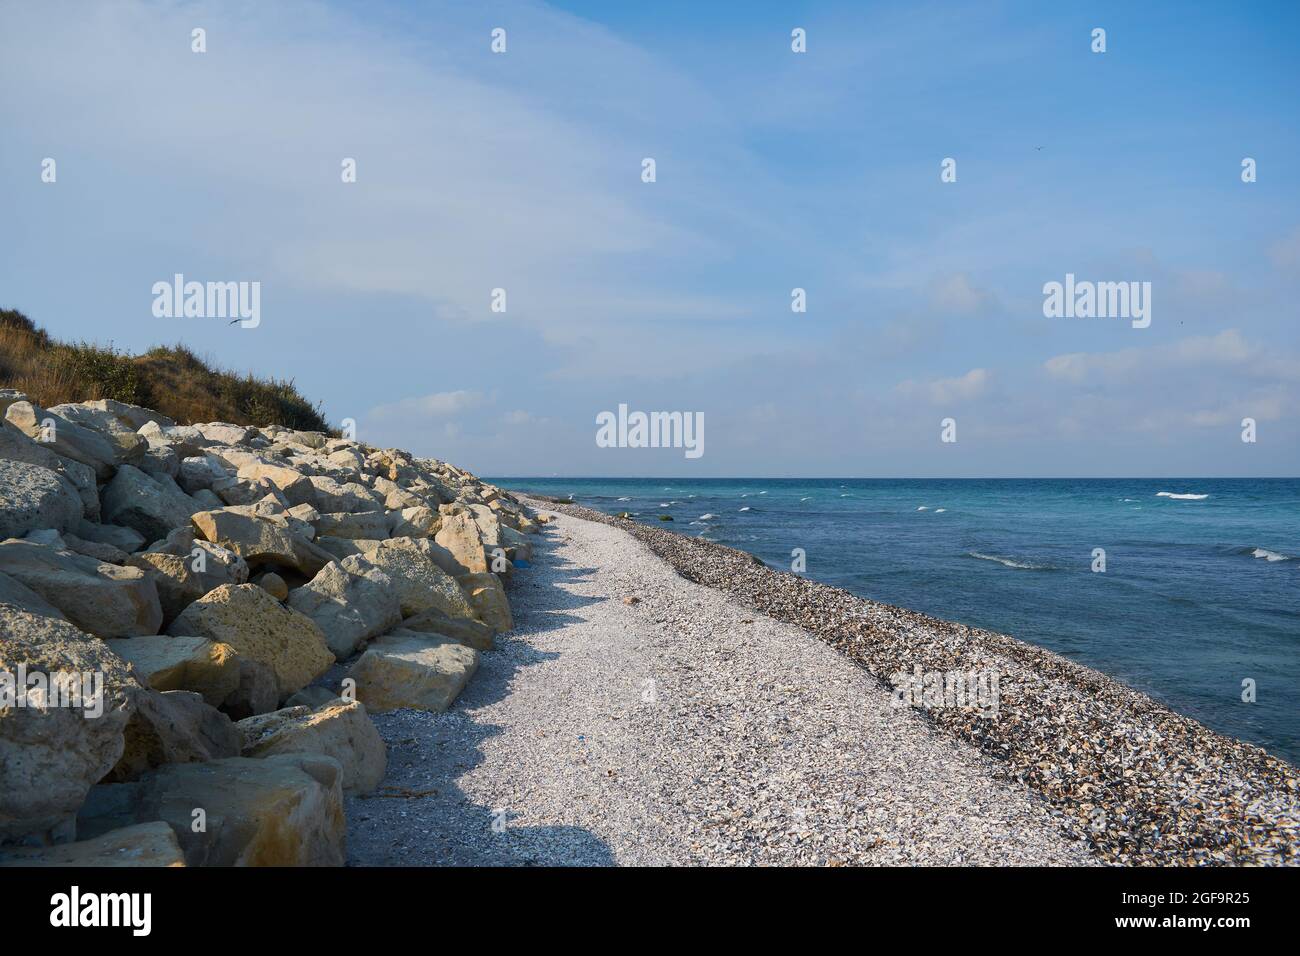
895,478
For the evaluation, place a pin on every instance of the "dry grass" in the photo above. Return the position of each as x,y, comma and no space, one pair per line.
172,380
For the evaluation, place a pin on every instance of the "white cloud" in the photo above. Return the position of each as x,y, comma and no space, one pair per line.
956,294
437,405
521,417
945,391
1228,348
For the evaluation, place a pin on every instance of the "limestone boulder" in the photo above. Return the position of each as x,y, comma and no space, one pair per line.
105,553
516,544
258,691
489,526
182,580
246,491
186,439
50,757
22,598
459,538
153,505
261,539
10,395
32,497
410,670
102,599
421,522
129,446
122,414
342,548
197,664
339,729
64,437
273,584
174,726
223,433
124,539
348,458
199,472
285,810
488,598
395,496
332,497
258,627
207,501
15,445
432,490
350,601
468,631
419,582
295,487
142,844
372,525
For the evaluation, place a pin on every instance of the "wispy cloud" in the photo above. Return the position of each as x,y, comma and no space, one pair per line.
437,405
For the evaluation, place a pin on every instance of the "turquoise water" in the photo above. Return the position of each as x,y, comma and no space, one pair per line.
1198,594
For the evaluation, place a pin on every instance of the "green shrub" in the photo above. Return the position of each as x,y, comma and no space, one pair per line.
169,379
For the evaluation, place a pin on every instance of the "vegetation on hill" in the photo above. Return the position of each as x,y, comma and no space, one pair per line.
169,379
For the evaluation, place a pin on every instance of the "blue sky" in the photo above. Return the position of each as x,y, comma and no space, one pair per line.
775,170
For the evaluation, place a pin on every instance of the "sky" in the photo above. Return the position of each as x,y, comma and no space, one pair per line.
774,170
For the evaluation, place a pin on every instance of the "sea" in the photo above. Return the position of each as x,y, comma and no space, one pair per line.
1198,604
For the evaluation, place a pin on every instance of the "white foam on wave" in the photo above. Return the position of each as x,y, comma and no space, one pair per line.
940,511
624,499
806,499
1176,497
746,508
1008,562
1269,555
706,516
923,508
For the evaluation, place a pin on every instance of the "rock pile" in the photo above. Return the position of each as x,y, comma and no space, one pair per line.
173,599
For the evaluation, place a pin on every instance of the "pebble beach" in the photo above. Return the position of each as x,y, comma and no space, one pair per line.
633,717
1121,777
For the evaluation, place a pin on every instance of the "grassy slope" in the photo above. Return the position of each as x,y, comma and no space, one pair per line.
172,380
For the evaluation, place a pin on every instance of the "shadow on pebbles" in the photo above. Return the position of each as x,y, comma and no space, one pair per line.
633,717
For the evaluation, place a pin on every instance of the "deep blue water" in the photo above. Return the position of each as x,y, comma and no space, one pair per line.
1189,605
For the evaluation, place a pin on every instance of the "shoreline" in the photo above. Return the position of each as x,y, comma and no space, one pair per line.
635,718
1138,783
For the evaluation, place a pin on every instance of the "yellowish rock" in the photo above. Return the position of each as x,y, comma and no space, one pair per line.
340,729
407,670
182,663
144,844
285,810
459,536
257,626
488,598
